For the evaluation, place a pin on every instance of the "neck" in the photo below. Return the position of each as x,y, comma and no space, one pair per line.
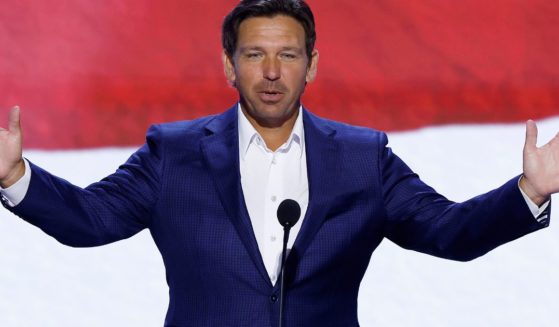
274,135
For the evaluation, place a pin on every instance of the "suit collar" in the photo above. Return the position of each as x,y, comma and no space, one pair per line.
223,122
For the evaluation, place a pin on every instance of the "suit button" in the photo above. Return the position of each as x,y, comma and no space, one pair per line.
273,298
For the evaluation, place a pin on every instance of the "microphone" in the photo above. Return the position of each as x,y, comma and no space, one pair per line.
288,213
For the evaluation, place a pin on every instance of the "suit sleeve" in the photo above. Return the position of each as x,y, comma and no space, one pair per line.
418,218
112,209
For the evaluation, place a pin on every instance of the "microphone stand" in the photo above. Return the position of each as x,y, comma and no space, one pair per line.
289,212
286,230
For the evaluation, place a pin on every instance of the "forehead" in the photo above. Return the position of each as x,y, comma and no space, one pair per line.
276,30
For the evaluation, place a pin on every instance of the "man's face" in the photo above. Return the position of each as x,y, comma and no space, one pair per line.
270,68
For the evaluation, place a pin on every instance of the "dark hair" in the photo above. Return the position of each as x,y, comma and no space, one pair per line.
296,9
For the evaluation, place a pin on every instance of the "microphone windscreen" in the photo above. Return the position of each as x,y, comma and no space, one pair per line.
289,212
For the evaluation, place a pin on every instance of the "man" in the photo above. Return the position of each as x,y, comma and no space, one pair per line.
208,190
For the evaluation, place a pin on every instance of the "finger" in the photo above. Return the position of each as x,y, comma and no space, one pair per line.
531,135
13,120
554,141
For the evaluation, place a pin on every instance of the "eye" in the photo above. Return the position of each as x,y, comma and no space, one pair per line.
254,55
288,56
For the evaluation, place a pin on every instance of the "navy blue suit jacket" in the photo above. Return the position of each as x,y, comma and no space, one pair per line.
184,185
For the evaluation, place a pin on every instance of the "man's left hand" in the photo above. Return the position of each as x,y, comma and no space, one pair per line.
541,166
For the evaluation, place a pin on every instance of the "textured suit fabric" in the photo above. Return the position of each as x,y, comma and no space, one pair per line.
184,185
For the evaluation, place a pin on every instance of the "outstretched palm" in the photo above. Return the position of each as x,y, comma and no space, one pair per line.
541,166
11,164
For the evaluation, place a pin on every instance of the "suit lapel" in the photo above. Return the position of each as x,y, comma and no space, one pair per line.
322,161
221,152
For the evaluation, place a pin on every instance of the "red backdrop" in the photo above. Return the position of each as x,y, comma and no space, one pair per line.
96,73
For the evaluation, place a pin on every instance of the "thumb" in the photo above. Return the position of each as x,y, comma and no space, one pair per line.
13,120
531,135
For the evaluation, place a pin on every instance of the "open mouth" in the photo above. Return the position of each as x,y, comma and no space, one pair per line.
270,96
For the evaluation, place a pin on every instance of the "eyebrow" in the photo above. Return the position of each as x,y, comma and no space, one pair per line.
258,48
296,49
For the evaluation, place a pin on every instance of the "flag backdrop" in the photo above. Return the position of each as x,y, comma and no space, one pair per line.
97,73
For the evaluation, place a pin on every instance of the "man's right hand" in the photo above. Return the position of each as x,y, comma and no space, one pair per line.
12,166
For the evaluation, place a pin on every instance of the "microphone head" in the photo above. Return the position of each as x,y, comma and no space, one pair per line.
289,212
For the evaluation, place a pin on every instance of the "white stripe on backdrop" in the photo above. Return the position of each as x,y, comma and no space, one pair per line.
43,283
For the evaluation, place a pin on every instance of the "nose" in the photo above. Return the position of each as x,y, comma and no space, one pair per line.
271,69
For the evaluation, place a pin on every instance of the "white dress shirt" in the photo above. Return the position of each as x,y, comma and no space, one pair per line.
267,178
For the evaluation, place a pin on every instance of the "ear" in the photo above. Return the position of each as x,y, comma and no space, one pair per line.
313,64
229,68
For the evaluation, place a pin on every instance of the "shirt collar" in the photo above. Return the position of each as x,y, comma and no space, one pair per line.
248,134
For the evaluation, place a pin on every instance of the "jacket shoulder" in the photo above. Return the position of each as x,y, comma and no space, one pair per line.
180,129
352,134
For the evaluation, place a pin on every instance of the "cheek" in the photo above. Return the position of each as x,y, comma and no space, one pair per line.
299,72
245,86
247,75
298,77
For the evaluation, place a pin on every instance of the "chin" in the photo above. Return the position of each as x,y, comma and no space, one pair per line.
269,119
